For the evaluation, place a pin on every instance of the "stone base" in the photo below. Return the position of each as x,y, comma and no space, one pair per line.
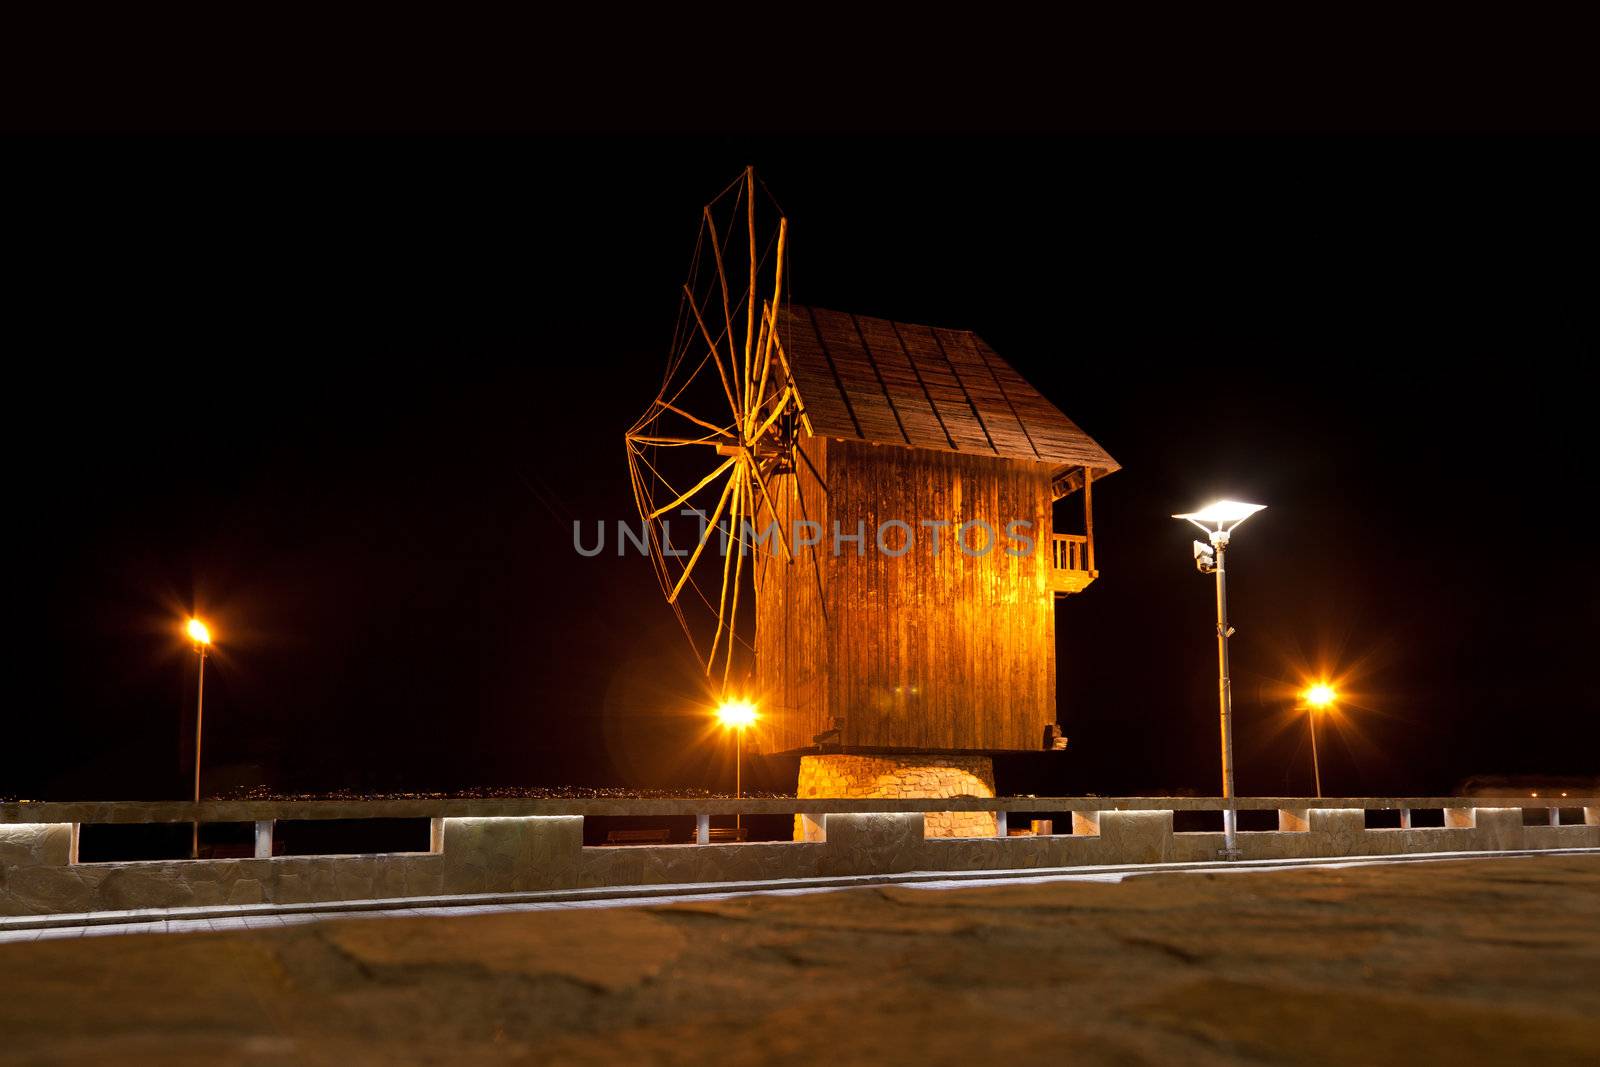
907,777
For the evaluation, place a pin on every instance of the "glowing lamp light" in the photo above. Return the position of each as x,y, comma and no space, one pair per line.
1320,696
737,713
1221,516
198,633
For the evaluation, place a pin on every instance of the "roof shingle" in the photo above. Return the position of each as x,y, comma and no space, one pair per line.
895,383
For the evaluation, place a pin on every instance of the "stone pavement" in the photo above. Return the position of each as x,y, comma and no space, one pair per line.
1476,961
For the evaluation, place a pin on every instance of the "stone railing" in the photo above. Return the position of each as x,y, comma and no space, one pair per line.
529,846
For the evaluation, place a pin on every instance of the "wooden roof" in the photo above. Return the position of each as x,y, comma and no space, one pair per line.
894,383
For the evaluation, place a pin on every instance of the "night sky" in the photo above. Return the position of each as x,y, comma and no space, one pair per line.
346,398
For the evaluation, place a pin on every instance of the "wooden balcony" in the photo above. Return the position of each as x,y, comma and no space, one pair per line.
1071,563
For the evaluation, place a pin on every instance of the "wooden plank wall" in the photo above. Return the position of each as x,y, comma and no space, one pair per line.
791,632
920,651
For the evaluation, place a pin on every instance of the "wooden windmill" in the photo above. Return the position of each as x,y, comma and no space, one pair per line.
900,434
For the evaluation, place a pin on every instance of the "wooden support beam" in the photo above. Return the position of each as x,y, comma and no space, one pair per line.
1088,513
765,357
716,358
1067,484
738,574
750,294
713,427
757,453
705,539
670,442
701,484
722,601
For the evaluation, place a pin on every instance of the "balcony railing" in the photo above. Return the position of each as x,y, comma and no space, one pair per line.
1071,563
1069,552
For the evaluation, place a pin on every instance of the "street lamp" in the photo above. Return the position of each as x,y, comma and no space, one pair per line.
737,714
201,636
1319,697
1219,520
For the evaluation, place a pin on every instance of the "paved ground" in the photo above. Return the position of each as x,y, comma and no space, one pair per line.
1460,962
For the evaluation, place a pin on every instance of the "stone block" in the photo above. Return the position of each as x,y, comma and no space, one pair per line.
514,854
125,887
1336,820
687,864
1498,828
46,844
1136,836
245,891
1339,832
876,843
1569,835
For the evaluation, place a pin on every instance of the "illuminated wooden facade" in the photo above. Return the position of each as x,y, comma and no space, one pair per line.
887,644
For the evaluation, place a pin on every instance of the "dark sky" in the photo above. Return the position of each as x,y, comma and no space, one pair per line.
347,396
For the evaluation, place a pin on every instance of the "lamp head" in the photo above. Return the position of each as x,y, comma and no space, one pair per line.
1319,696
737,713
199,634
1219,518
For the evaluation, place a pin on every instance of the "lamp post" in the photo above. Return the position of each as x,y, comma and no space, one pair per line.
1318,698
737,714
1219,520
201,636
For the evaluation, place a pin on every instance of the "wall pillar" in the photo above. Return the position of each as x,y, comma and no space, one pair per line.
264,838
44,844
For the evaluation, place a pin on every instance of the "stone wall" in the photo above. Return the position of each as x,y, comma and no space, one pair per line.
900,777
530,854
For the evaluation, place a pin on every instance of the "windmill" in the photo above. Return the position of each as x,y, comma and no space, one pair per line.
820,454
